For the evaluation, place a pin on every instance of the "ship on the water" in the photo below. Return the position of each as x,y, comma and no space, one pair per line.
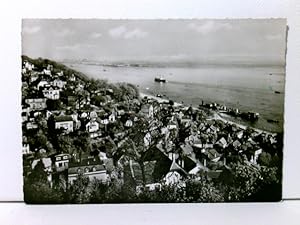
160,79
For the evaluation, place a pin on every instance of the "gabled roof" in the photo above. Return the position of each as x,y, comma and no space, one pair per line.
236,143
46,161
222,141
176,167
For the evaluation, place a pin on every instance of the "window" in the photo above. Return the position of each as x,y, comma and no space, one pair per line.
58,158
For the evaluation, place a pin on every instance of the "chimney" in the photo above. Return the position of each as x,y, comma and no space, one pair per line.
204,163
224,161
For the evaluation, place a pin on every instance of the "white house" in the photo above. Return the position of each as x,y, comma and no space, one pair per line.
42,83
65,122
51,93
31,125
72,77
25,114
112,118
61,162
58,83
172,125
61,73
128,123
47,72
26,149
240,134
92,126
93,114
222,142
28,66
147,139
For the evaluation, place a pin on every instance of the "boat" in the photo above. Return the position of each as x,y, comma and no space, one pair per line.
250,116
160,79
277,92
272,121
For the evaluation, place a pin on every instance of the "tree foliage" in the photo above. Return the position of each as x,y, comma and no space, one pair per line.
37,188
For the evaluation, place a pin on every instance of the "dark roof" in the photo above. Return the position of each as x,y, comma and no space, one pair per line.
63,118
214,174
212,154
89,168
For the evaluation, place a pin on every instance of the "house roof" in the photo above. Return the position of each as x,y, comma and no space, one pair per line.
62,154
214,174
46,161
222,141
236,143
187,149
63,118
86,160
176,167
199,167
212,154
85,168
145,108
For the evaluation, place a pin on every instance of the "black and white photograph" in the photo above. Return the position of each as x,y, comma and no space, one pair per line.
153,110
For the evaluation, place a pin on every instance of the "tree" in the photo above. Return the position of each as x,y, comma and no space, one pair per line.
97,100
79,191
53,104
65,144
82,142
38,140
202,191
244,183
37,189
98,192
264,159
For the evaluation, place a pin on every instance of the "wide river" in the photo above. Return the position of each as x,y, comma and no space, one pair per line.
249,88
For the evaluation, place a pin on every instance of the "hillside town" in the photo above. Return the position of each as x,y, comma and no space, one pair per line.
87,140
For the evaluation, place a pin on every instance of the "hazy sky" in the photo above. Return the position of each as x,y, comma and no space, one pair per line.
178,40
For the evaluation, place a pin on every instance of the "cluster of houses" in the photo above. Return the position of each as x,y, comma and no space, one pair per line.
205,148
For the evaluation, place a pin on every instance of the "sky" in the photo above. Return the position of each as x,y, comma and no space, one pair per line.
257,40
